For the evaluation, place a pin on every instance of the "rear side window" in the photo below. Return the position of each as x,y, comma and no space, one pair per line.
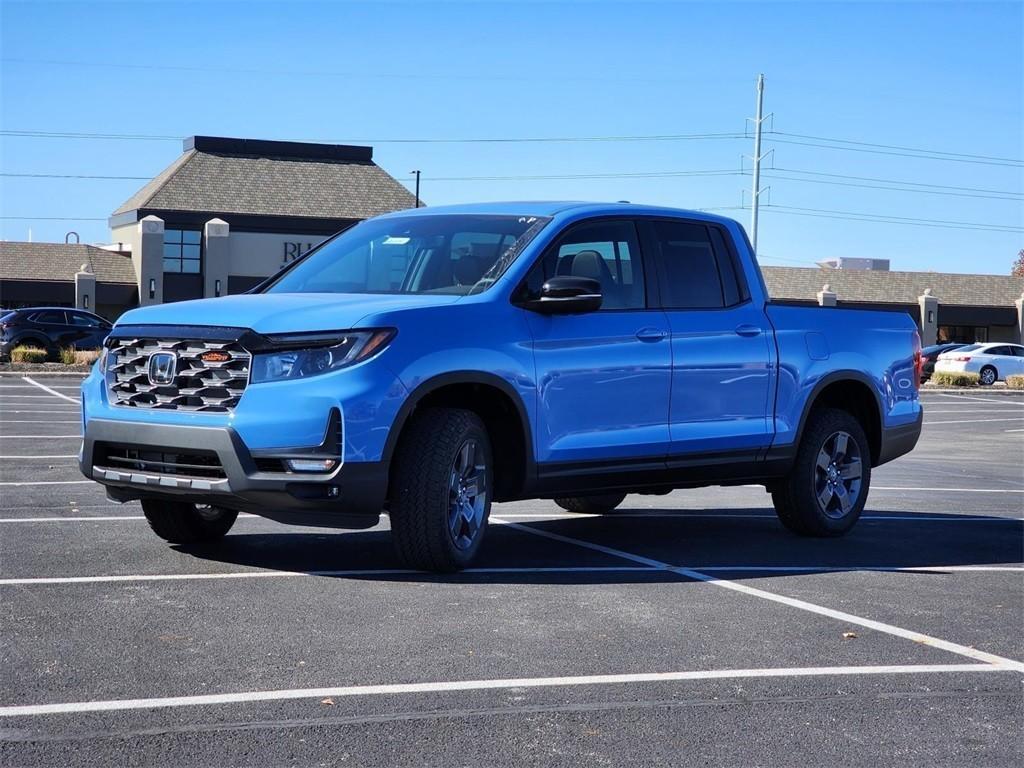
50,317
697,268
997,351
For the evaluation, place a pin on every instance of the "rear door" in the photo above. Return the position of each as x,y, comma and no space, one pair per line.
721,354
54,323
603,378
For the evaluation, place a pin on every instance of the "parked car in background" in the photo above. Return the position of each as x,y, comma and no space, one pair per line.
992,362
51,328
930,354
432,361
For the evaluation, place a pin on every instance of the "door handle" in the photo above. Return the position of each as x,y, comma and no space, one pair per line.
748,330
651,334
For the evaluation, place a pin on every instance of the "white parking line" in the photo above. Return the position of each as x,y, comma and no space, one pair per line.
279,574
990,401
53,482
38,437
626,514
973,421
68,456
944,490
478,685
68,410
37,421
51,391
32,386
5,397
803,605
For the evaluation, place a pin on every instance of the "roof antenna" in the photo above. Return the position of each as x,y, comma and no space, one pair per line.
67,238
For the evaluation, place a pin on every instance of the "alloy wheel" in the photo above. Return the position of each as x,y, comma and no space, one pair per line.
467,494
837,475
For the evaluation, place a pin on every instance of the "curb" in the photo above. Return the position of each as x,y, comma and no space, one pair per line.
973,391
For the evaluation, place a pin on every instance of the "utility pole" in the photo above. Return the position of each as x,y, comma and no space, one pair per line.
417,187
756,194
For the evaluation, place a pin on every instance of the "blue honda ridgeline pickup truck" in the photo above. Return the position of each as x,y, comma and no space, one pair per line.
430,362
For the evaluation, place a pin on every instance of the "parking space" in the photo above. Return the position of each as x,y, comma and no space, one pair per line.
687,628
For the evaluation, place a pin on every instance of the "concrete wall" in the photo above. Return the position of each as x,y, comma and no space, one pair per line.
261,254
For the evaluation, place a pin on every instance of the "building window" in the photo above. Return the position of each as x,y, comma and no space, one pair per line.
962,334
182,251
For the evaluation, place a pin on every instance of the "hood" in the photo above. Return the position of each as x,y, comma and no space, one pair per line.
280,312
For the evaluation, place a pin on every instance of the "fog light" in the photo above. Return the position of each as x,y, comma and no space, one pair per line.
311,465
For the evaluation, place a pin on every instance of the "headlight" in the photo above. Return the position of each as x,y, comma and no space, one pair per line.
311,356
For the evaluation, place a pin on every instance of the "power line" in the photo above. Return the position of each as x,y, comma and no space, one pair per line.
896,181
884,219
572,176
468,140
891,146
54,218
72,176
1009,164
892,189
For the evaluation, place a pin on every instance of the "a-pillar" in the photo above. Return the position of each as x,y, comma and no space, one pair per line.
85,288
215,258
149,261
929,321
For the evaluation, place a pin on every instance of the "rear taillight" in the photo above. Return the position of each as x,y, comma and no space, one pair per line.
962,359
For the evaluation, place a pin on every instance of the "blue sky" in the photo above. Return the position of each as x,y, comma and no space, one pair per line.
937,76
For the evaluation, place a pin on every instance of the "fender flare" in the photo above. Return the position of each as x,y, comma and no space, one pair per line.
834,377
462,377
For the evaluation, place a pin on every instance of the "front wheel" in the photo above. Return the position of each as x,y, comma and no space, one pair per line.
182,523
825,492
440,496
591,505
988,376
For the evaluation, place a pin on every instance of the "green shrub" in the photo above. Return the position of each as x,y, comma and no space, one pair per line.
67,355
28,355
949,379
1015,382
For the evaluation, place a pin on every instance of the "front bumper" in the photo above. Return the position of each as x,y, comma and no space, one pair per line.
352,496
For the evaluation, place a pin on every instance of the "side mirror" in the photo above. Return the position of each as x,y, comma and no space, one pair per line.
567,295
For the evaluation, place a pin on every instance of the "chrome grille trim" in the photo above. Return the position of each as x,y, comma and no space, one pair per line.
197,385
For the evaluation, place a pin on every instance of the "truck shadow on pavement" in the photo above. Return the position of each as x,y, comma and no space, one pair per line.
736,544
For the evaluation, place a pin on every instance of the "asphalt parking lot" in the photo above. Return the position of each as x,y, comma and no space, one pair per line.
687,629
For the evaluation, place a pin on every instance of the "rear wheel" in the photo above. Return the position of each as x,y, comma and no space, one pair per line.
182,523
591,505
988,376
825,491
440,496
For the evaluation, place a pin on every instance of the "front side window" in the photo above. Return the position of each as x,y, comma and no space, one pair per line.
182,251
83,320
452,254
607,251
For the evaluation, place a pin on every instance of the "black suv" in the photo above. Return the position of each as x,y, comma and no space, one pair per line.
51,328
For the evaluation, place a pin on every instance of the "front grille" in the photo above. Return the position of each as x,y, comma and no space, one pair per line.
197,385
192,463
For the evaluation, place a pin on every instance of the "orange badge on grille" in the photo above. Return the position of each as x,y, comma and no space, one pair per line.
214,356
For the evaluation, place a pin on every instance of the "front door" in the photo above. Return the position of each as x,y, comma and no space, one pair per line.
604,377
721,345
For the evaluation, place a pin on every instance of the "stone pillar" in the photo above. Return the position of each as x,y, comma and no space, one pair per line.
826,297
215,258
1020,319
85,288
149,260
929,321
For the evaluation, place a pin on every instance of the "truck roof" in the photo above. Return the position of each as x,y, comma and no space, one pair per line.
556,208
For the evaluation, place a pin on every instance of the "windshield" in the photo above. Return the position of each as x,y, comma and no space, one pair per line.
442,254
969,348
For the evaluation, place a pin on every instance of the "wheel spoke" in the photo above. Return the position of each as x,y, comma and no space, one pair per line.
472,486
841,446
465,457
845,502
825,496
851,470
824,459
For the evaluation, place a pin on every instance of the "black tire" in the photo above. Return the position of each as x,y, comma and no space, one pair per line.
182,523
591,505
436,526
988,376
797,497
